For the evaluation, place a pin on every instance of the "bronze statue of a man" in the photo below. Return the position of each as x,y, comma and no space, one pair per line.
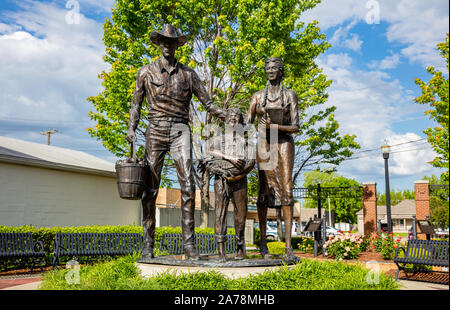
229,161
276,108
168,87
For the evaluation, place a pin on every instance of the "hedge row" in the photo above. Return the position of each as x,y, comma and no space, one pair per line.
47,236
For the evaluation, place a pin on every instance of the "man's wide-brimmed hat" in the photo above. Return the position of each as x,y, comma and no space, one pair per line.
169,32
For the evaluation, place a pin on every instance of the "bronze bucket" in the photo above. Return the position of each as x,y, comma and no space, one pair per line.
131,176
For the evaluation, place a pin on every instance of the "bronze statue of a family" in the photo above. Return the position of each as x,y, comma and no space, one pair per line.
168,87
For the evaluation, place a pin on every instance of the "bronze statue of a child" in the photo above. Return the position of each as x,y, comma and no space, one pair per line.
230,170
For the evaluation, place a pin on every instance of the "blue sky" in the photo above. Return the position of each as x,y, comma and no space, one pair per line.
49,66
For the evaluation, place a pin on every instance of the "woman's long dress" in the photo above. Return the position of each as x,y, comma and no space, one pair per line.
275,159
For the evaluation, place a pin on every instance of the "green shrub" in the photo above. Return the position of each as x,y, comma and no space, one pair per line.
306,244
257,236
295,241
276,247
122,274
118,274
47,236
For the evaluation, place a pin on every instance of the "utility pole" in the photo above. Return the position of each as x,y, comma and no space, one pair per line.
48,133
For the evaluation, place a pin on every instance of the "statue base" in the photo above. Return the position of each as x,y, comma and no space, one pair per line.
209,261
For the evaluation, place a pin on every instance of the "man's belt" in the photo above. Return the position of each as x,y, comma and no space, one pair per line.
172,119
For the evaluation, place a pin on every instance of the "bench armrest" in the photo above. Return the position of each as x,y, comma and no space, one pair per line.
398,250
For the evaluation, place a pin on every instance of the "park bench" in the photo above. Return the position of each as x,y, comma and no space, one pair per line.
21,245
95,244
205,244
422,253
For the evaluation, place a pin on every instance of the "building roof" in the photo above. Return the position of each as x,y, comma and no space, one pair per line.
405,207
52,157
307,213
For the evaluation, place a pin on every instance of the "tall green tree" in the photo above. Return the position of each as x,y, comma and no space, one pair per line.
439,202
345,205
228,42
396,196
435,93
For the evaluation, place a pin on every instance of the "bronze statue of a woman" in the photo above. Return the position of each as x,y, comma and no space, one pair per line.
277,111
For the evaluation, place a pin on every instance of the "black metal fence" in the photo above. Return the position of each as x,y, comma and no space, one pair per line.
204,244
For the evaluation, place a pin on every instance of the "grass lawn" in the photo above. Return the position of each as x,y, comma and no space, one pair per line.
122,274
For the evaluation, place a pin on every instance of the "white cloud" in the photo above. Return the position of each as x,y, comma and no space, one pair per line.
49,68
416,26
389,62
354,43
338,60
362,98
368,104
343,38
410,158
49,61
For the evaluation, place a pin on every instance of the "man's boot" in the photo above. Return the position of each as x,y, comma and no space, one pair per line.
147,251
263,250
191,253
240,252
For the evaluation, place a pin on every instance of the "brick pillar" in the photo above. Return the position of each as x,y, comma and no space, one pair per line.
422,198
370,208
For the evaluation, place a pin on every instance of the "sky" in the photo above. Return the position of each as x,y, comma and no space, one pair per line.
51,56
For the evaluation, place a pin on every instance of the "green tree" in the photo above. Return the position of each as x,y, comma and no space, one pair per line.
396,196
345,205
228,42
435,93
439,202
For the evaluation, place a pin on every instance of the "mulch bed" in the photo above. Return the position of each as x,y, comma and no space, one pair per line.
23,272
434,277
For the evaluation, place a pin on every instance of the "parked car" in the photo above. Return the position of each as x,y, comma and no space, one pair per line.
272,229
331,231
440,231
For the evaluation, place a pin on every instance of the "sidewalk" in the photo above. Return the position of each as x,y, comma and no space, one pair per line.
20,283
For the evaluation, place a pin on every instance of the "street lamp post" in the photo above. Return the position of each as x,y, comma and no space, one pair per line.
386,149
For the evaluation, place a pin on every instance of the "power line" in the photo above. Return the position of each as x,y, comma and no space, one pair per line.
407,142
401,151
393,145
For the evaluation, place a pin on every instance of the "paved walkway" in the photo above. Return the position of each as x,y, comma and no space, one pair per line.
20,283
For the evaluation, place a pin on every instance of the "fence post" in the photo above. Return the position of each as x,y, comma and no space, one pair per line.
414,225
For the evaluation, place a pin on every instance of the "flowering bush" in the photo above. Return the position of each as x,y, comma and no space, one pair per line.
385,244
306,245
344,246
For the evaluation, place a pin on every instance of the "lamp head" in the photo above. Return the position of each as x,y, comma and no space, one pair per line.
385,149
